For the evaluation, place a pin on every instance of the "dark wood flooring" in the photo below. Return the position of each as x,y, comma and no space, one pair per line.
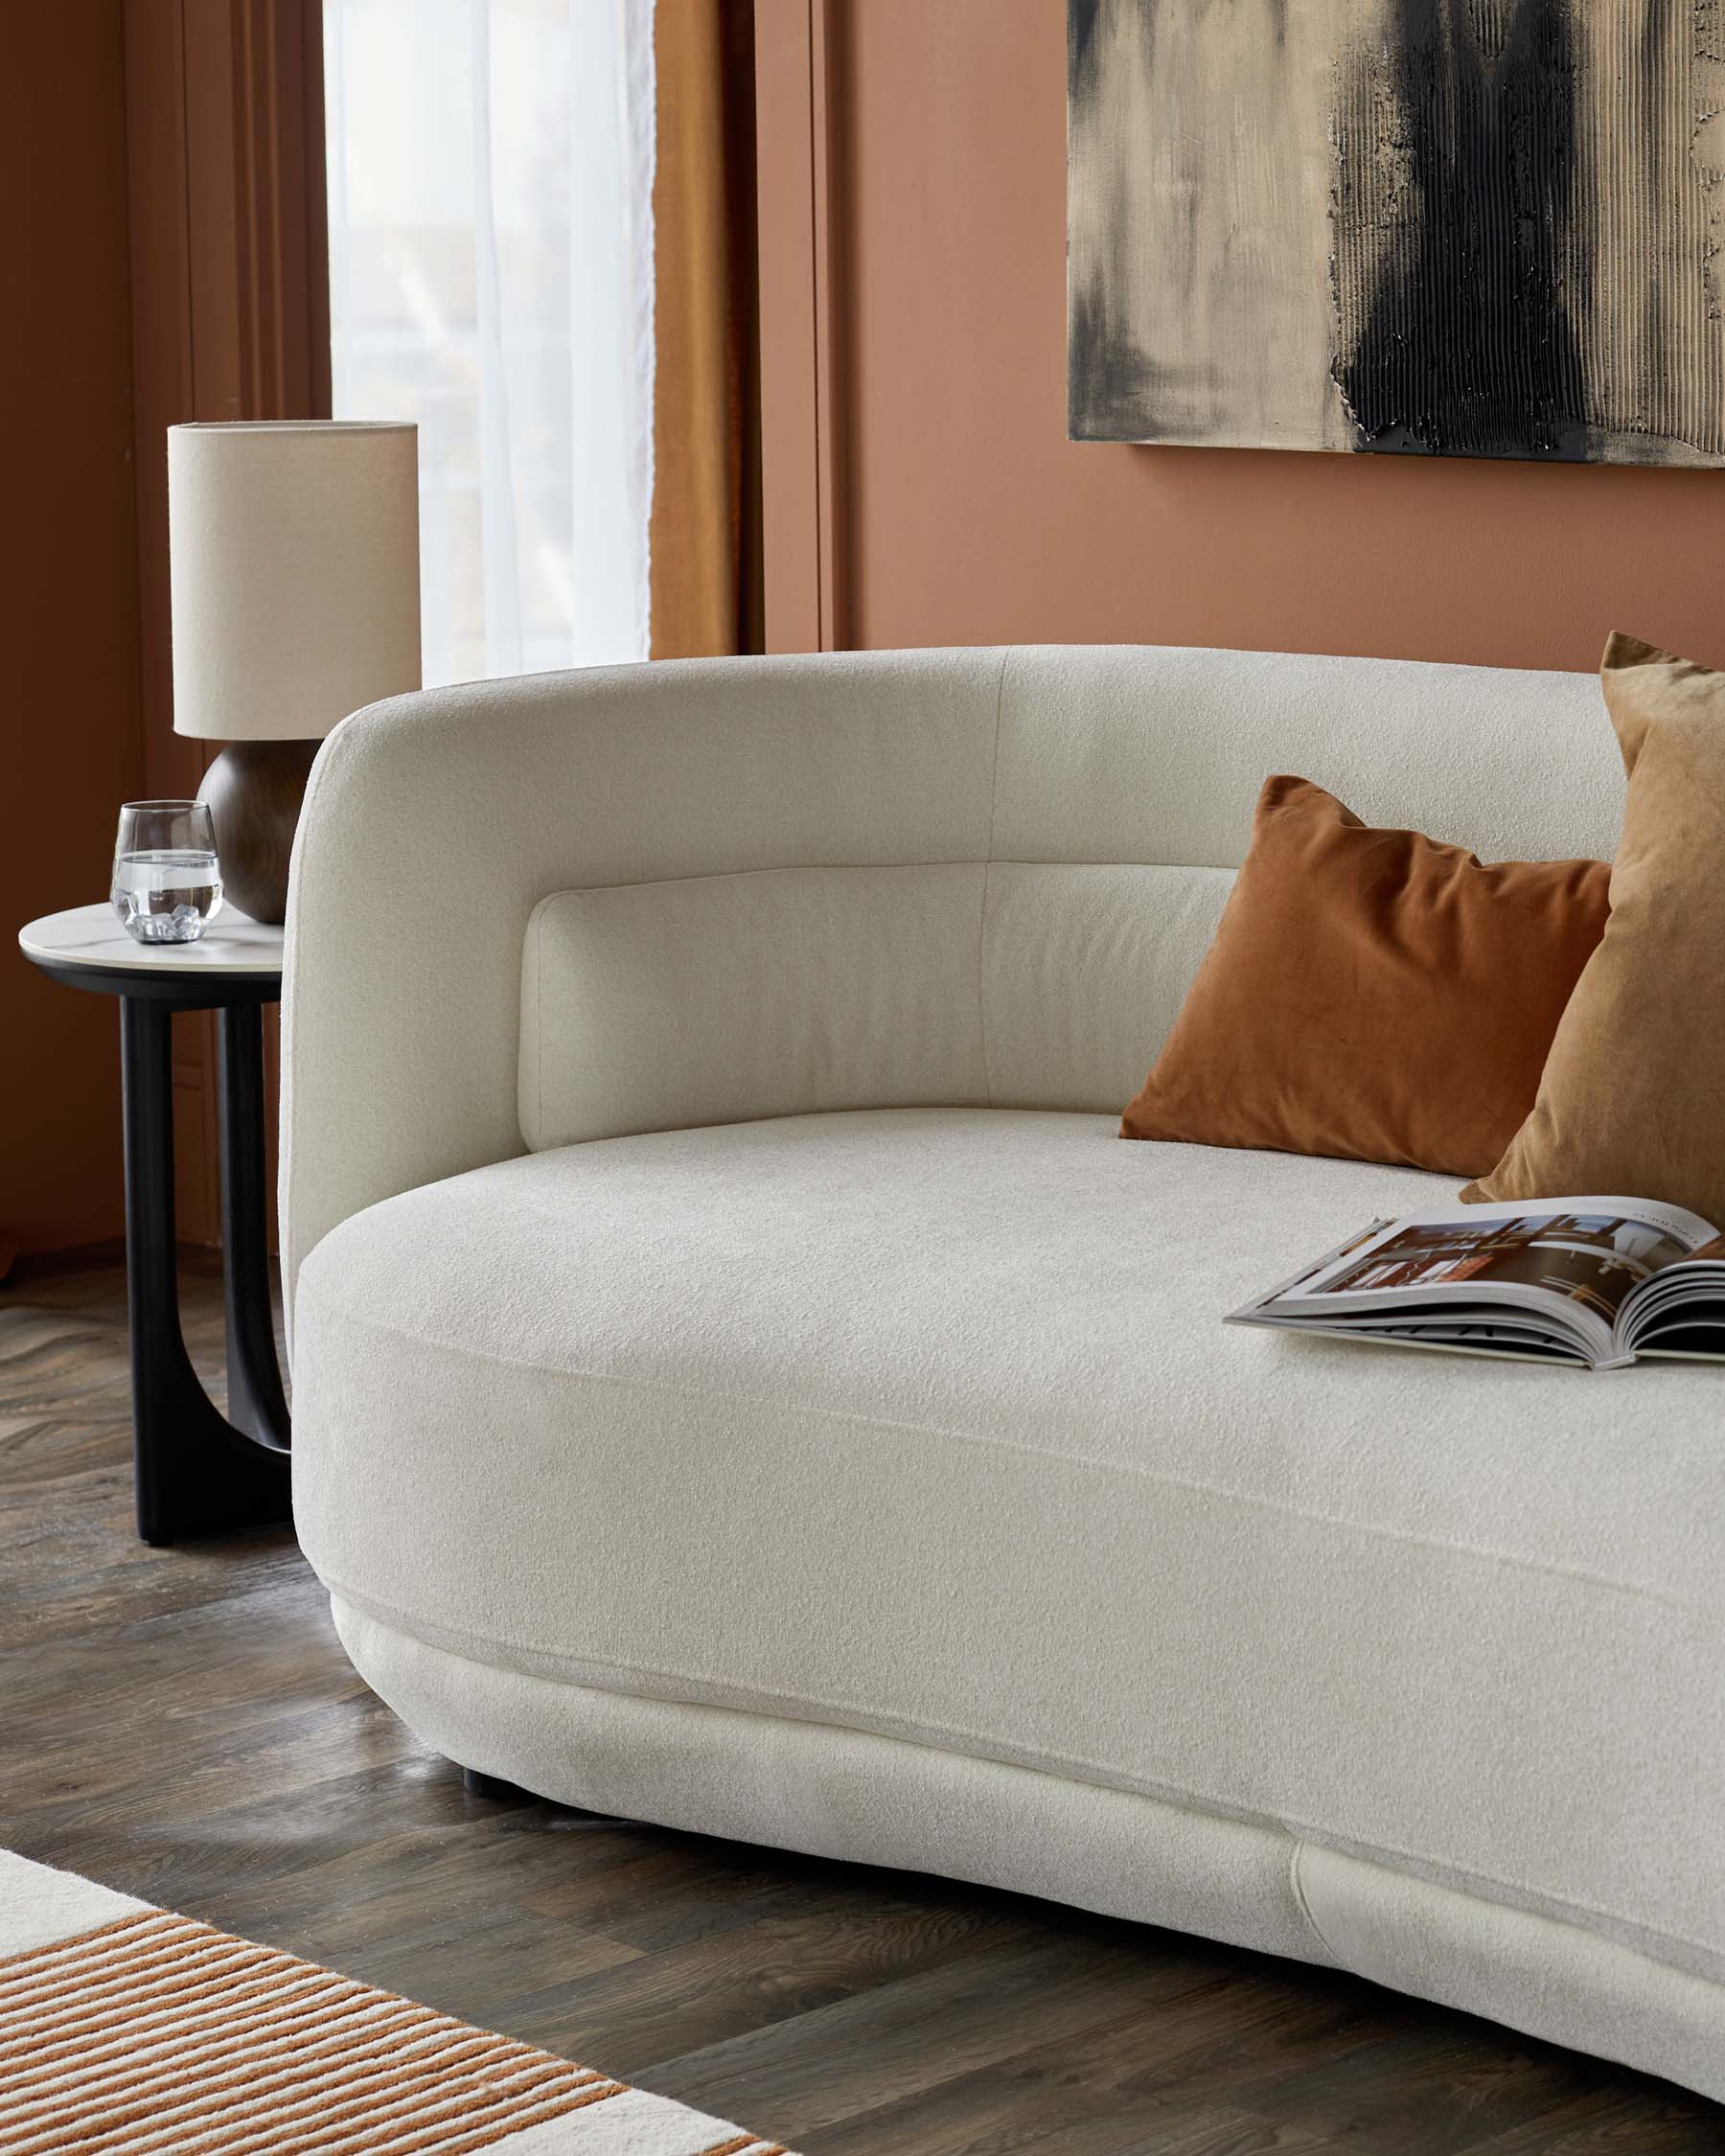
182,1724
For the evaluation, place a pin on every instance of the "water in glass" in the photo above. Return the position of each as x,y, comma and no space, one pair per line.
167,885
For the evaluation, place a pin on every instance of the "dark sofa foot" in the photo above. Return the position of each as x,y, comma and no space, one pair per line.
478,1784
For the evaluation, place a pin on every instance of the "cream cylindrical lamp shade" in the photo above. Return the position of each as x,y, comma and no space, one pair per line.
294,570
293,553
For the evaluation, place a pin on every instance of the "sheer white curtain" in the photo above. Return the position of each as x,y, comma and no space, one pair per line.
491,276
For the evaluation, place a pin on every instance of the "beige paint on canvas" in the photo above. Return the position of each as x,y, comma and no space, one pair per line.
1200,210
1650,208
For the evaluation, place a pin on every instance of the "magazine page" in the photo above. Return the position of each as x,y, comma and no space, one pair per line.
1680,1312
1512,1337
1575,1260
1708,1254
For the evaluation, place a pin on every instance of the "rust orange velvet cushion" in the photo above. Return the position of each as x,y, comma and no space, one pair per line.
1372,994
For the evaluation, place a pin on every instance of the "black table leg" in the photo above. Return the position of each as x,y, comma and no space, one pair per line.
196,1475
256,1404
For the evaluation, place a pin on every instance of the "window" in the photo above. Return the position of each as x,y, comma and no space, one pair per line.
491,277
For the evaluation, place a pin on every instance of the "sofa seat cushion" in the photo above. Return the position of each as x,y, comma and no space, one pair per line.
924,1422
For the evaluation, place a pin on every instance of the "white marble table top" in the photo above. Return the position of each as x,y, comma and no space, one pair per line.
91,936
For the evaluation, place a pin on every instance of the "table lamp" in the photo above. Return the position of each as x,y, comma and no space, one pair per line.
293,553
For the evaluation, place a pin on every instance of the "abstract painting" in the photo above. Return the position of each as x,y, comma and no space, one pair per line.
1436,227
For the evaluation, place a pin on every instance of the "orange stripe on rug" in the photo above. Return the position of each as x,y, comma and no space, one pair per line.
157,2035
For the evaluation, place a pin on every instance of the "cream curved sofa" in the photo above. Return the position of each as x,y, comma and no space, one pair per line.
740,1382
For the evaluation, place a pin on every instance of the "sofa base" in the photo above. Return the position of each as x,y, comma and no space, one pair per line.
849,1795
492,1787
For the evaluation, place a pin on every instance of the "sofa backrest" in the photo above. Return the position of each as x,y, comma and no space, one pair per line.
1082,808
1033,950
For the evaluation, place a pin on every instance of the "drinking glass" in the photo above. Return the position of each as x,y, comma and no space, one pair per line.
167,883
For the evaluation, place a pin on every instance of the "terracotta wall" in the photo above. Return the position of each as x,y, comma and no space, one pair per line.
913,177
68,601
161,218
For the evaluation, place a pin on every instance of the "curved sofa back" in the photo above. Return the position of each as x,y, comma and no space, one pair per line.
1061,824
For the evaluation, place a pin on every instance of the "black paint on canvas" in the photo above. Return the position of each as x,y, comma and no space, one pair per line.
1081,34
1108,379
1468,346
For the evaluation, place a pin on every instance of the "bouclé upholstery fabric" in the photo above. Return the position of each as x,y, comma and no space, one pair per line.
792,991
435,824
925,1422
876,1476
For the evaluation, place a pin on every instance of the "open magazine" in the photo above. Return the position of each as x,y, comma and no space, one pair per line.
1599,1281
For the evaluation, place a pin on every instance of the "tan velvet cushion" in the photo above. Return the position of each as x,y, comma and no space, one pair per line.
1633,1096
1372,994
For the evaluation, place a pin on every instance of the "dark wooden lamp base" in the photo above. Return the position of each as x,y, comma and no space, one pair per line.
253,791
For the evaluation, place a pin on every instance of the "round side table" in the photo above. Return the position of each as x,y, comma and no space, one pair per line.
197,1472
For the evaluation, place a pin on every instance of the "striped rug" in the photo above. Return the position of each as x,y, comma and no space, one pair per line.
126,2031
